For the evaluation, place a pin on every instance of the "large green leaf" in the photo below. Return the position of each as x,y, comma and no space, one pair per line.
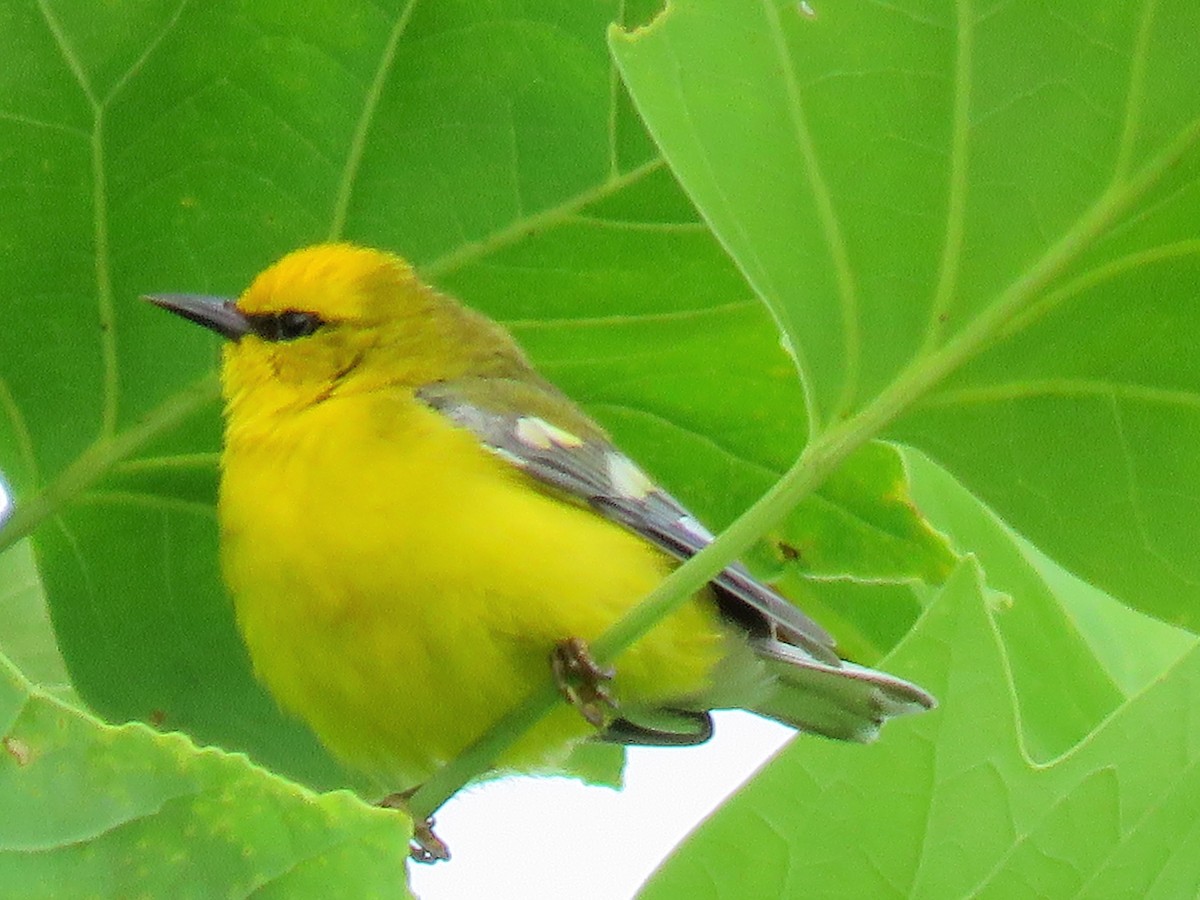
951,805
1061,667
152,815
979,225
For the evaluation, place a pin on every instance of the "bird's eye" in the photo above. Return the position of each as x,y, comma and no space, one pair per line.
285,326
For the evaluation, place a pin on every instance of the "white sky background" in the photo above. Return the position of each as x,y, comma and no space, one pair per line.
542,838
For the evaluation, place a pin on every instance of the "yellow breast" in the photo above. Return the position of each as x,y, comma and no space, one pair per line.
400,588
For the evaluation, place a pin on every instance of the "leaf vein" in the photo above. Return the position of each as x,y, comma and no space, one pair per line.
1063,387
151,46
831,227
956,201
358,141
24,439
522,227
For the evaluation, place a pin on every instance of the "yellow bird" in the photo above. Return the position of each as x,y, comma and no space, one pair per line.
416,527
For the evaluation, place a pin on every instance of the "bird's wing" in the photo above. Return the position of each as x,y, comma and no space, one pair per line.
535,428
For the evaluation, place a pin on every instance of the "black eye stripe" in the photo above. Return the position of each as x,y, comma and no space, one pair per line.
285,326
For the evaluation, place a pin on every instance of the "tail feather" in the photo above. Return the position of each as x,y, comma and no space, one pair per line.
843,701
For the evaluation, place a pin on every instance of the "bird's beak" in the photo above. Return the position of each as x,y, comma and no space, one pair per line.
218,313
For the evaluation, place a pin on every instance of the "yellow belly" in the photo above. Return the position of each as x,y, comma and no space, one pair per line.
400,588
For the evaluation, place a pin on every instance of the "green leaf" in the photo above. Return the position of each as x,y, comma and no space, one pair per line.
26,636
863,524
1062,679
949,804
169,818
1133,649
978,227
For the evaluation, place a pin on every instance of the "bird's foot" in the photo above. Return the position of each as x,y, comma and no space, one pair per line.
425,846
583,682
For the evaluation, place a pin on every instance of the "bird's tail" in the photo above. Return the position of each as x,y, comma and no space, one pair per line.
844,701
834,698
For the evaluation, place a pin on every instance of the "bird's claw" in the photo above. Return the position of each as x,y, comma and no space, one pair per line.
582,681
424,846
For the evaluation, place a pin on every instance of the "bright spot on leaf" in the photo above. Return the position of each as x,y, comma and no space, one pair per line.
18,750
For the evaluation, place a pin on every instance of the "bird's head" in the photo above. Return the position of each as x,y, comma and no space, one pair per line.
335,319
